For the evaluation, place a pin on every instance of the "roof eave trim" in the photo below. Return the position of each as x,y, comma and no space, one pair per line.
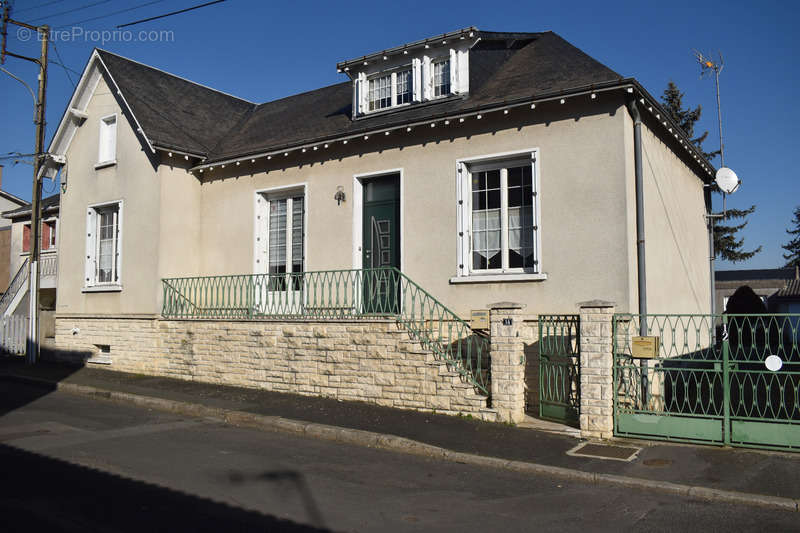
628,84
408,46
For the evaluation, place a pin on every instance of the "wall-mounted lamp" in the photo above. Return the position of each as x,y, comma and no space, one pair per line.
339,196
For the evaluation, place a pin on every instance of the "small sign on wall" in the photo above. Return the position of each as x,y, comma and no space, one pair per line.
645,347
479,319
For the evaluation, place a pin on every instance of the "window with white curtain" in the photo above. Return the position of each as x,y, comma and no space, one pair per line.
441,78
498,230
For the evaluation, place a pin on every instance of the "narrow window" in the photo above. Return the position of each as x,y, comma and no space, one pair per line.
108,140
103,231
441,78
285,250
107,231
404,87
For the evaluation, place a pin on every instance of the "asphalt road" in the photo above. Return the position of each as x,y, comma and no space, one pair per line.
68,463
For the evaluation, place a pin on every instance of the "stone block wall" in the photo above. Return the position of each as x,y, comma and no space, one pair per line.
373,361
508,361
596,371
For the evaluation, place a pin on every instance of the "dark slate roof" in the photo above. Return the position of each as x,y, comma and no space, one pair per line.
49,204
792,290
174,112
756,274
504,67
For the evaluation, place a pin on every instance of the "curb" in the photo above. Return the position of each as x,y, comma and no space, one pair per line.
403,445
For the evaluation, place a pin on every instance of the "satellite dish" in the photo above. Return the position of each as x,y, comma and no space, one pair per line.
727,180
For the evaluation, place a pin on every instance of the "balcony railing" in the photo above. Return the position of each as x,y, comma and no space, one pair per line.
335,295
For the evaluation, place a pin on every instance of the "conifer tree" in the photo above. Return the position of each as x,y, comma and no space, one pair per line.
726,245
793,246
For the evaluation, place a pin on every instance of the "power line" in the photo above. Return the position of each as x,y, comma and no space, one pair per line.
58,55
113,13
66,67
37,7
169,14
87,6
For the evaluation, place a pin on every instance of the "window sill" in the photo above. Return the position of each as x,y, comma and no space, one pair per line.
102,288
105,164
497,278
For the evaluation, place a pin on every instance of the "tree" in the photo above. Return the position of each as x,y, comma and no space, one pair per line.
685,118
793,246
726,245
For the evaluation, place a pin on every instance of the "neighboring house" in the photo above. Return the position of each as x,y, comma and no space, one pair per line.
765,282
8,202
787,300
485,166
16,301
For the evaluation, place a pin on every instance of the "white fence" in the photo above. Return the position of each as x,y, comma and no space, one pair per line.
13,334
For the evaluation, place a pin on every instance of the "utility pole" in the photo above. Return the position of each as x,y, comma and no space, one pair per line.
38,168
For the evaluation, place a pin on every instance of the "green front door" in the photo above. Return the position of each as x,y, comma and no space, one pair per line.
381,243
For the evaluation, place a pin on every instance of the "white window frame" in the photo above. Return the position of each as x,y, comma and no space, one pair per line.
107,141
91,283
432,76
464,169
261,225
392,75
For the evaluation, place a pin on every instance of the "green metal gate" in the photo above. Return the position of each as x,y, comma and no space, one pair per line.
559,361
710,382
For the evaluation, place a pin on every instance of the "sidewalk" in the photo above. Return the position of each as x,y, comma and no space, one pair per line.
705,469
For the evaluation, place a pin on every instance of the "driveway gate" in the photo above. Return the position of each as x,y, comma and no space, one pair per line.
718,379
559,361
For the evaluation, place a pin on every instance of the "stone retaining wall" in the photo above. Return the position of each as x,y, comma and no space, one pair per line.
373,361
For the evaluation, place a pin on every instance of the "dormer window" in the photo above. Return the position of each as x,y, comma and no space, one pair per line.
403,87
380,92
424,71
441,78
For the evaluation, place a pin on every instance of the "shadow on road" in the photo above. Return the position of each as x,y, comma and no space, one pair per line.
40,493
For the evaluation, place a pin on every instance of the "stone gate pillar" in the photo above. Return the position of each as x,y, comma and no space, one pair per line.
596,370
507,361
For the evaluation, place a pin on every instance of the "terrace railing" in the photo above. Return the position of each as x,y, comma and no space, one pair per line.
336,295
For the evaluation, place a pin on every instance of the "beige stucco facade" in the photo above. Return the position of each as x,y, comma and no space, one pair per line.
179,224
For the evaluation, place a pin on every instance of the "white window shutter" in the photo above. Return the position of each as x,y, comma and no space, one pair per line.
463,71
461,213
427,78
361,93
416,75
112,139
454,88
118,244
91,239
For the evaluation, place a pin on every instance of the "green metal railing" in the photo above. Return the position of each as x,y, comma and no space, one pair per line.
336,295
709,381
559,367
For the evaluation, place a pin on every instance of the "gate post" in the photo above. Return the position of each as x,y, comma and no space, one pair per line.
596,369
507,361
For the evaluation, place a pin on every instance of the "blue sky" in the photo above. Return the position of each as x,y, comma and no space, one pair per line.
263,50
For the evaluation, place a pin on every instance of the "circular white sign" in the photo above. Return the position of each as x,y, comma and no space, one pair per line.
773,363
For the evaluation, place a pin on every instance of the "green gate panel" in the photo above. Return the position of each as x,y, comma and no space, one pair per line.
672,427
766,433
558,413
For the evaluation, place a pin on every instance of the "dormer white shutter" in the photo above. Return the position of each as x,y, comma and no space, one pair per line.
416,76
361,93
454,87
463,71
427,78
91,253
